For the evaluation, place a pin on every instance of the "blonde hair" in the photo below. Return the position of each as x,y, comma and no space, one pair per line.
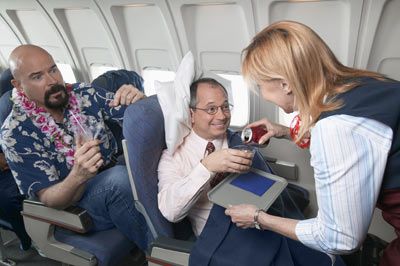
292,51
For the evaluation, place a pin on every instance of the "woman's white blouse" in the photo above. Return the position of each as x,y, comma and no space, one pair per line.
349,156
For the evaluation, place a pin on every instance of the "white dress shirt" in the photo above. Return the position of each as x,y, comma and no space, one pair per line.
183,182
349,157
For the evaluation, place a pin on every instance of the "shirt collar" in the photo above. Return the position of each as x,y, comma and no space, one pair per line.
200,142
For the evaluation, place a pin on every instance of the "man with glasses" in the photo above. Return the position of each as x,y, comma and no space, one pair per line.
186,176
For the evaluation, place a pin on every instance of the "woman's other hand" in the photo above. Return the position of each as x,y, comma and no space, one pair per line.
242,215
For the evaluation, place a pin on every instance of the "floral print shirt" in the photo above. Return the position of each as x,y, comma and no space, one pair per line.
31,155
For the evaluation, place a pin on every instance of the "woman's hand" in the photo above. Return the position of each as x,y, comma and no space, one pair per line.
274,130
242,215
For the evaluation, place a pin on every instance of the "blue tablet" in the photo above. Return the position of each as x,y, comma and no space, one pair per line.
254,187
253,182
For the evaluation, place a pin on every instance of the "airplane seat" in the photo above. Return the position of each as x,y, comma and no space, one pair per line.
144,142
109,246
112,80
64,235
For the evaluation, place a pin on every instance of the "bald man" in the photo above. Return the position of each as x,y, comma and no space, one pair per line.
52,154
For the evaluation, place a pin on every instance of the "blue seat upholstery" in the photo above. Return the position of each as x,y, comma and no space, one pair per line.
10,207
112,80
143,129
5,81
109,246
144,142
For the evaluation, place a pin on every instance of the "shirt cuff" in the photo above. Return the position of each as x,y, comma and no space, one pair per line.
205,170
202,173
304,232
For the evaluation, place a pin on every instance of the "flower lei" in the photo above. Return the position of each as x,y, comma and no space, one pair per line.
294,132
43,120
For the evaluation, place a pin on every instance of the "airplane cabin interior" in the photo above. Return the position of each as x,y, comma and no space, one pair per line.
90,37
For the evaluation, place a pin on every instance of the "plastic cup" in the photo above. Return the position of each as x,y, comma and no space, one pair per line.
246,148
88,130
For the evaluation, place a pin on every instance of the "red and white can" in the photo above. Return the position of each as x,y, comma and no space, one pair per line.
252,135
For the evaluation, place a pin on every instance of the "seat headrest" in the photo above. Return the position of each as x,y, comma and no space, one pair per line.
112,80
5,81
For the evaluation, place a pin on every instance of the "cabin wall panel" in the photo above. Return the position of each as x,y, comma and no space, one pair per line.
385,53
87,36
140,27
8,42
144,28
84,28
221,28
336,21
28,22
209,34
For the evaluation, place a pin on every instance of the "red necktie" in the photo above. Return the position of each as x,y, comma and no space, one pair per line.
210,148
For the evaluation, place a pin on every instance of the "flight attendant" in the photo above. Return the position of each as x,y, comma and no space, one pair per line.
350,120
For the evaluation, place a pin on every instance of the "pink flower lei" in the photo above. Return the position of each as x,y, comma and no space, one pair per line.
43,120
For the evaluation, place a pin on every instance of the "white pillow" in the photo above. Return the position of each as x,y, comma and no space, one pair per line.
174,98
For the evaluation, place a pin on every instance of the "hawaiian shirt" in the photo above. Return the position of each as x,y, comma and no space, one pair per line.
32,156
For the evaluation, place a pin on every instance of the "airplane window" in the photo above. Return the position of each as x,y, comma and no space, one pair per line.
240,95
67,73
97,70
151,75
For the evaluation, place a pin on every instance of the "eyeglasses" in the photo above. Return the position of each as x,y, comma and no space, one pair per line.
212,110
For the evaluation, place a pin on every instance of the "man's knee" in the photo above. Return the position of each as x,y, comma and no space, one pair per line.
117,179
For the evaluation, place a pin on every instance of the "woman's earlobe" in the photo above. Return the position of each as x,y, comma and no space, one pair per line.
286,88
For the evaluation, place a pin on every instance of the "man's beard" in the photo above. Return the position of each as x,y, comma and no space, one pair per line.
58,103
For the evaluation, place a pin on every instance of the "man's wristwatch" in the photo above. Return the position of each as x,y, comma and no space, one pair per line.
256,223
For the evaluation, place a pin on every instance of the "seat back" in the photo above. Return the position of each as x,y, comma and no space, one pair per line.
111,81
5,81
144,142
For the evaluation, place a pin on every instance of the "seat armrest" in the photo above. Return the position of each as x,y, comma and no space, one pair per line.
168,251
284,169
172,244
72,218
